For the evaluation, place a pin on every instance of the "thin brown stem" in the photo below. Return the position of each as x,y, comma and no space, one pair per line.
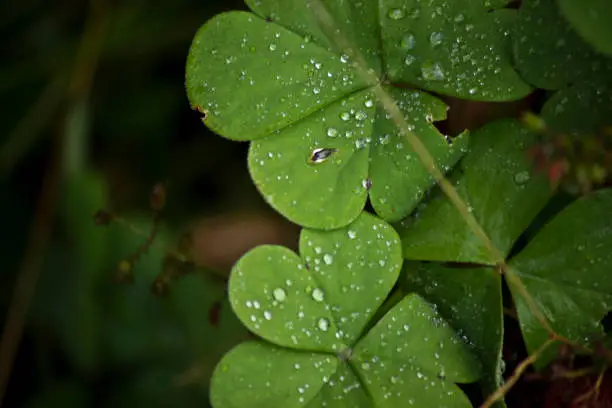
593,392
518,372
40,232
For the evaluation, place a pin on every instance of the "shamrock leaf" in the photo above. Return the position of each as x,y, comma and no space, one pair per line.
360,25
548,52
590,18
497,183
320,141
565,270
315,301
470,300
454,48
316,308
256,374
412,346
410,358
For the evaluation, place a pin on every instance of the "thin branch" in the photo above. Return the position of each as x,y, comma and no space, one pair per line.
40,232
518,372
151,240
593,392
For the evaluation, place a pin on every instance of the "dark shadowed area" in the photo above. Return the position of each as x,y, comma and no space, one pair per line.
94,115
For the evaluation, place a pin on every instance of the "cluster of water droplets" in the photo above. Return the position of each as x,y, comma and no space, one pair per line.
458,56
353,122
392,374
266,56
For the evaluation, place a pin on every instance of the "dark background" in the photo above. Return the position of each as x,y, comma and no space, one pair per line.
93,113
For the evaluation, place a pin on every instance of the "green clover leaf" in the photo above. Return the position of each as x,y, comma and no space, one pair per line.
588,18
497,183
413,357
316,308
561,269
471,301
454,48
565,269
320,142
579,109
549,54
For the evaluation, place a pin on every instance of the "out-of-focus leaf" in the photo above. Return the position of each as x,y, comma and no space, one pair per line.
548,52
591,19
565,269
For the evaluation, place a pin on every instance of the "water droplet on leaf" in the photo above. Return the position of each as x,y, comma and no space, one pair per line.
318,295
360,115
323,324
320,155
408,41
396,14
279,294
432,71
522,177
435,38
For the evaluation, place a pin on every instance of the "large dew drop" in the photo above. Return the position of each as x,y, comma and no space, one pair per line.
361,115
318,295
396,14
522,177
323,324
320,155
408,41
328,259
435,38
432,71
279,294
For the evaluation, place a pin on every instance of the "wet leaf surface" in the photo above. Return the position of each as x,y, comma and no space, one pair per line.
281,83
498,184
316,308
565,270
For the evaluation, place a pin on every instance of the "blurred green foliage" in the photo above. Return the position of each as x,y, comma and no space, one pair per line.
99,85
